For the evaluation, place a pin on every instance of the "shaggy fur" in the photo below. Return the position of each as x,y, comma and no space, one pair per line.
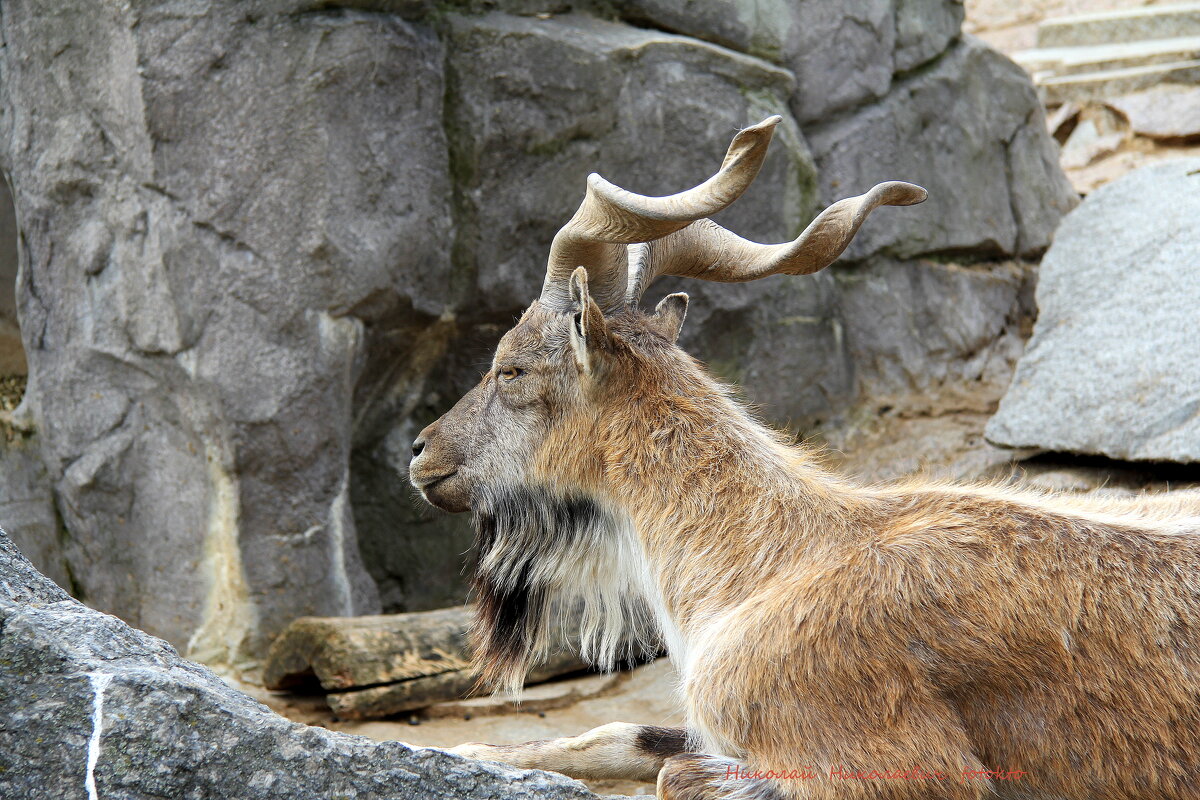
974,632
540,556
917,640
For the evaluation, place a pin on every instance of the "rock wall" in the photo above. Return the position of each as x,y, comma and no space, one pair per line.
266,242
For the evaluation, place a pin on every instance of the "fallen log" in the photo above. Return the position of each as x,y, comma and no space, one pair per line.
378,666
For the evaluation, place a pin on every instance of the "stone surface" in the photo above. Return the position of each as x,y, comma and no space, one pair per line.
1112,366
238,239
537,104
935,330
842,54
925,29
1123,25
995,187
1164,112
933,346
1086,144
27,504
1116,55
1113,82
95,708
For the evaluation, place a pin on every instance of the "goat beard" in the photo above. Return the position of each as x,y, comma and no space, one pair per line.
543,556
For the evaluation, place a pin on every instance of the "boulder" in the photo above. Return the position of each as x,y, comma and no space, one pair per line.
970,129
938,333
94,708
925,29
12,352
535,105
1112,367
1171,113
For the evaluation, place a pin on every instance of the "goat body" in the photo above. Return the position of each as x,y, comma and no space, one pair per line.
833,640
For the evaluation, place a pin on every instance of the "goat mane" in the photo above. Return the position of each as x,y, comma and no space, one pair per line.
544,557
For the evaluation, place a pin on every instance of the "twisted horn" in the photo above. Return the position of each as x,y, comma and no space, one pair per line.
707,251
610,218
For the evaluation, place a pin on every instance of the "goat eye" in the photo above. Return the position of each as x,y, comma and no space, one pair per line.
511,373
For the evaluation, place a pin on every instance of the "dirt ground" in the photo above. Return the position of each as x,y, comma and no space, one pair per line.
644,695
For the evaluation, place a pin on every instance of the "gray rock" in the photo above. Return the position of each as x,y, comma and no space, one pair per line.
1112,368
94,708
419,557
229,208
535,105
1099,86
843,54
970,129
1164,112
925,29
945,332
1086,144
27,504
1121,25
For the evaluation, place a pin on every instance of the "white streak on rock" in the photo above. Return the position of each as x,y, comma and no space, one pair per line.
338,513
99,682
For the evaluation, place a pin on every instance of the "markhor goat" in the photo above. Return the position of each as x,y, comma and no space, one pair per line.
833,640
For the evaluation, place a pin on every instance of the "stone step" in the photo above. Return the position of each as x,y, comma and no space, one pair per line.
1112,83
1052,61
1129,25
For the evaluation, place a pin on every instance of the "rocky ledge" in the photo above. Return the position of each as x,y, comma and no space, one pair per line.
90,707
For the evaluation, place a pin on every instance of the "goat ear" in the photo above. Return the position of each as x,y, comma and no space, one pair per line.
588,328
668,315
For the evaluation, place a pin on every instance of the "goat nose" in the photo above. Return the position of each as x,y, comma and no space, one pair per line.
418,446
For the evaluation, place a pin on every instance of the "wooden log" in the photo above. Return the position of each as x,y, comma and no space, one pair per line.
350,652
396,698
382,665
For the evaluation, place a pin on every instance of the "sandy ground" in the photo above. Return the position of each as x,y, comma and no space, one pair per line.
644,695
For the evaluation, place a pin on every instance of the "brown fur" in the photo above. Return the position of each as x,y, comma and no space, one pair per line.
835,627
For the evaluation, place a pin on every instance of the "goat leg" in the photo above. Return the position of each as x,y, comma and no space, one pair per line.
618,750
